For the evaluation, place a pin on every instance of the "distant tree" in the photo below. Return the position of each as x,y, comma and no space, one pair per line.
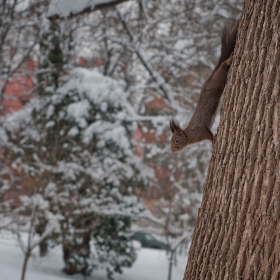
19,34
236,235
78,143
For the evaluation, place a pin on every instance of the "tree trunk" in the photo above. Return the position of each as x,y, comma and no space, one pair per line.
24,267
43,248
237,235
76,254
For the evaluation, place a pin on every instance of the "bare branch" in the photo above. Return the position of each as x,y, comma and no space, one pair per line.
156,77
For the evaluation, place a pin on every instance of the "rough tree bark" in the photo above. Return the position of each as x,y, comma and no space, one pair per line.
237,235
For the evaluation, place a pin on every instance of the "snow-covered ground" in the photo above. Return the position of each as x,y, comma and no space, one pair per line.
151,264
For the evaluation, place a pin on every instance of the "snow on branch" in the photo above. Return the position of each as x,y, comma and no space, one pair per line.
70,8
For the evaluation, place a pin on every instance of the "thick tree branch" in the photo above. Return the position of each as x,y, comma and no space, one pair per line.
88,8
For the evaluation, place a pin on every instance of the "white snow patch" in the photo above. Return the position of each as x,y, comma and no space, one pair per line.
151,264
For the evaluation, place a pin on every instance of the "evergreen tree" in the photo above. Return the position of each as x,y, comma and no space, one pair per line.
77,144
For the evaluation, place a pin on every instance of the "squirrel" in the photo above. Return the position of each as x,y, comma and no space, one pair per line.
199,127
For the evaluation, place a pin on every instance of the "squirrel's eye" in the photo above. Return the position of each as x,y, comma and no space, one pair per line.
177,141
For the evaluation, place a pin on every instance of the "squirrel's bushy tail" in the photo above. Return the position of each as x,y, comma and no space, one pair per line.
228,40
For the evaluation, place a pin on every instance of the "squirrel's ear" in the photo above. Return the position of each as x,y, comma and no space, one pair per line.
174,125
171,127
